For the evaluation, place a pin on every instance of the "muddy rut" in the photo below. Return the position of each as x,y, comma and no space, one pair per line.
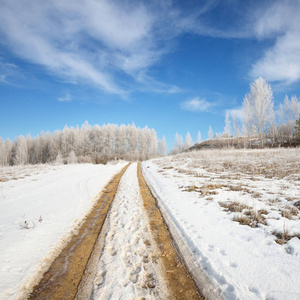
123,250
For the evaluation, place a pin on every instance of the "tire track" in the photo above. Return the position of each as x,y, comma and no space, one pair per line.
62,279
179,281
129,265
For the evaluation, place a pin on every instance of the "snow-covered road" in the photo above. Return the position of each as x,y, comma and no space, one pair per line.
127,268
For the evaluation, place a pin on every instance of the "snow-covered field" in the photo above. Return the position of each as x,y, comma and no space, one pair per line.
238,210
40,207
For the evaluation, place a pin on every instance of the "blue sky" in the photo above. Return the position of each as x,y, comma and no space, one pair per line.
175,66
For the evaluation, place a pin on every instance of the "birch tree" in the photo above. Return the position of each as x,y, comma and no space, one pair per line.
258,108
288,114
227,128
162,146
199,137
210,133
3,154
188,143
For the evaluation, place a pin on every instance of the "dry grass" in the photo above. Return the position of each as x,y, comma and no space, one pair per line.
251,174
289,212
270,163
256,195
243,220
284,237
234,206
204,190
256,217
297,204
236,188
191,188
251,218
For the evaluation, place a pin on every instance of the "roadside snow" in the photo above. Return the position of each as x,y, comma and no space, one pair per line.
127,268
245,262
39,212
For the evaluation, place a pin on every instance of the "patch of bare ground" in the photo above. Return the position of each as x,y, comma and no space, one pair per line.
180,283
63,277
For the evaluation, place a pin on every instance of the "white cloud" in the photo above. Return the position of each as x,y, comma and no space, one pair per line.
280,62
86,41
236,112
66,98
113,44
196,105
8,71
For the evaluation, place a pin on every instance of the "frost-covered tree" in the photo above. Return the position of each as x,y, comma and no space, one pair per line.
188,143
59,159
199,137
3,154
210,133
178,144
96,144
258,108
227,128
297,130
20,151
235,125
288,114
72,159
8,148
162,146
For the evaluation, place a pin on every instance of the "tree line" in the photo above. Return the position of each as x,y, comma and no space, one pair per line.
92,144
258,125
261,122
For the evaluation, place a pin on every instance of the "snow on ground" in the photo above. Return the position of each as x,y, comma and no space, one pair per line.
40,207
209,194
127,267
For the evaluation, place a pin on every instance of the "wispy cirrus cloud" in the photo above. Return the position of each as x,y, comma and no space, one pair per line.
65,98
196,105
236,113
280,62
89,41
114,44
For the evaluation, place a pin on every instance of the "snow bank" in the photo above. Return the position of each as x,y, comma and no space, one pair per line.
245,262
39,213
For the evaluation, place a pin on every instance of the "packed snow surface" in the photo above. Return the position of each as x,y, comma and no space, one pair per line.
127,268
244,261
40,208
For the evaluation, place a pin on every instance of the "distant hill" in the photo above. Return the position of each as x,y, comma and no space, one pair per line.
241,142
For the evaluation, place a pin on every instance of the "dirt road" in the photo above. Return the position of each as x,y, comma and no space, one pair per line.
123,251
